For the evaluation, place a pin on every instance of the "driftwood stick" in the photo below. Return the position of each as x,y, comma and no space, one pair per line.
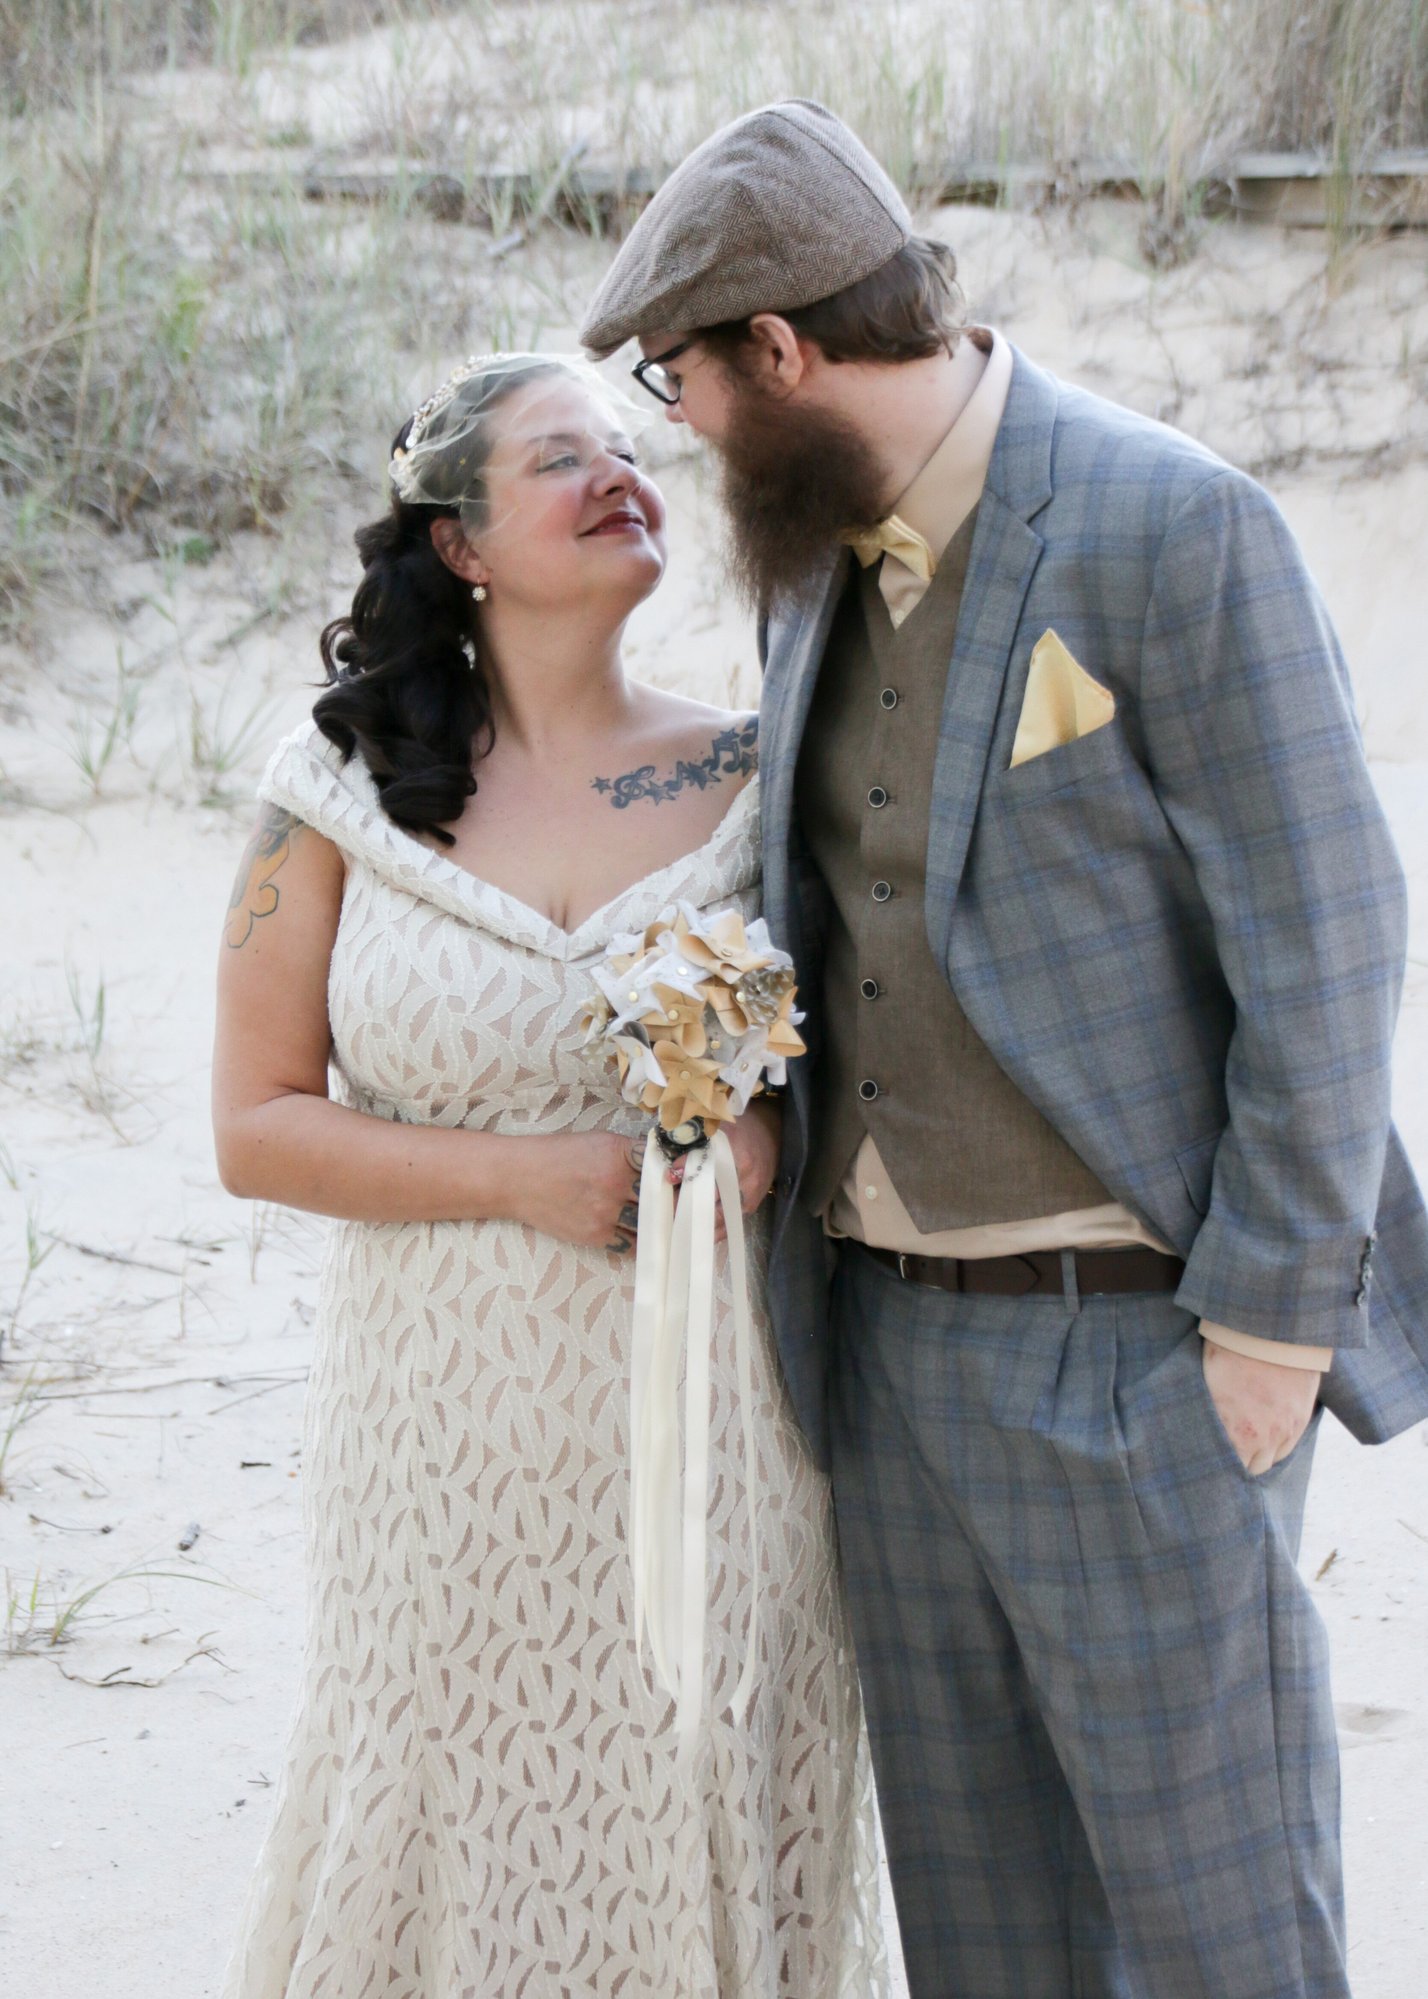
122,1676
268,1388
112,1255
180,1381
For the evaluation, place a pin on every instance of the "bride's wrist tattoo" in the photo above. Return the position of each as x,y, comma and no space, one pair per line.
733,753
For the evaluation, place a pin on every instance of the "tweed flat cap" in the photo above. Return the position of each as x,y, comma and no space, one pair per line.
781,207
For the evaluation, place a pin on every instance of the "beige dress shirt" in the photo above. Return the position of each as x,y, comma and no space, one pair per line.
866,1205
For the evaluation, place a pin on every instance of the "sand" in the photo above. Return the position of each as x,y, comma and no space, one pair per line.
166,1331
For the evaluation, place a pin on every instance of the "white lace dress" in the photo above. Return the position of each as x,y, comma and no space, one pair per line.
480,1799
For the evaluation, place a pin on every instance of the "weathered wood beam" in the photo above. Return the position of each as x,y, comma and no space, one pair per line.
1305,191
1292,189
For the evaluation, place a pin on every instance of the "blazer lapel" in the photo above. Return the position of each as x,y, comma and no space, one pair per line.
790,675
1005,552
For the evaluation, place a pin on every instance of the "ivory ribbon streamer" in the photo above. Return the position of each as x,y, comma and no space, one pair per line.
674,1316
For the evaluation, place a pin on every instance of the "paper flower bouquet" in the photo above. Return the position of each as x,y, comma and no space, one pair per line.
696,1016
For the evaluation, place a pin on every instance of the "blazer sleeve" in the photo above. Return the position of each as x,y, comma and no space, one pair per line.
1257,759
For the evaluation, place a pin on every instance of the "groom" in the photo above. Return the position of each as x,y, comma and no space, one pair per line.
1089,1195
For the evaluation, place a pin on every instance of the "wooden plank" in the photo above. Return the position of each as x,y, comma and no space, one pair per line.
1297,190
1315,166
444,195
1305,192
1294,190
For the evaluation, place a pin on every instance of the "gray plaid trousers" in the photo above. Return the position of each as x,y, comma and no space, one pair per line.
1096,1686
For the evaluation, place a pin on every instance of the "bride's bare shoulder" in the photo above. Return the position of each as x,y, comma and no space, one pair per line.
722,741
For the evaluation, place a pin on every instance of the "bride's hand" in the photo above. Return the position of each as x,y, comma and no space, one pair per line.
586,1189
755,1140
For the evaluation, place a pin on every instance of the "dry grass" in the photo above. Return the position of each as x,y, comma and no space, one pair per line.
185,354
45,45
189,366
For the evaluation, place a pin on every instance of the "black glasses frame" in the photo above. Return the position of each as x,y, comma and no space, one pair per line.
640,372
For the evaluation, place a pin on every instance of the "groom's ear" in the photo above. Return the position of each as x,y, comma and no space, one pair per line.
780,359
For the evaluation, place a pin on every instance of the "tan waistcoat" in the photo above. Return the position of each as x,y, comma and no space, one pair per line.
901,1061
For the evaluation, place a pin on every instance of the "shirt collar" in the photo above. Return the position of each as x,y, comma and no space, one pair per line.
950,484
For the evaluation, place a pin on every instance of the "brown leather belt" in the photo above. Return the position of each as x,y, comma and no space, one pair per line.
1098,1271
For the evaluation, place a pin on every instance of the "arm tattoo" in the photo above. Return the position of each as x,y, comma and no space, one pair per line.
733,753
255,893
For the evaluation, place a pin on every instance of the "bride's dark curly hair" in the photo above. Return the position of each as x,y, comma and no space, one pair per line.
406,683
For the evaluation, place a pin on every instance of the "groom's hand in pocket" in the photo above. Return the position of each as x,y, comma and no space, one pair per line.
1264,1407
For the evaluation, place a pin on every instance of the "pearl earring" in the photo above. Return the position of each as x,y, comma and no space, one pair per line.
479,593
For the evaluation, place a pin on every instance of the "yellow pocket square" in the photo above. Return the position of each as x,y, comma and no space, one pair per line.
1062,703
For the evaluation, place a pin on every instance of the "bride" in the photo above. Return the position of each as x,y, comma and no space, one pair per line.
481,1798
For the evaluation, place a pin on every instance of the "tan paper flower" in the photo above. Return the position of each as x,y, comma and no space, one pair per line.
692,1088
681,1020
784,1040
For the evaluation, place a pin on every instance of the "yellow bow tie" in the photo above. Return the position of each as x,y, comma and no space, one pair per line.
893,537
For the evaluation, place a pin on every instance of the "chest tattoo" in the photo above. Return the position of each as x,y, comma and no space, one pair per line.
733,753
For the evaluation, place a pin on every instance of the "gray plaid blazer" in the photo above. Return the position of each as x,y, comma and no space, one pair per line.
1183,936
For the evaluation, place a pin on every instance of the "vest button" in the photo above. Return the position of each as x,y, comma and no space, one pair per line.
881,891
888,697
870,989
877,797
868,1089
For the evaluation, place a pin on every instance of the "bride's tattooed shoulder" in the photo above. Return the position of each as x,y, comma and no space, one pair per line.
734,752
255,893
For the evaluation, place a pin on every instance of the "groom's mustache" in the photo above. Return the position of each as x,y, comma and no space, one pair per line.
793,480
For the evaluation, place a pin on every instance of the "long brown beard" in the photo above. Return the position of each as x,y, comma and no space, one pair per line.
791,481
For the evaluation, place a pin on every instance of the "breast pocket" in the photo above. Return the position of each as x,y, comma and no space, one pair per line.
1090,798
1099,758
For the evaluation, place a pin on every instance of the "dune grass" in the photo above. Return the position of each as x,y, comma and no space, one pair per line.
48,45
183,363
184,356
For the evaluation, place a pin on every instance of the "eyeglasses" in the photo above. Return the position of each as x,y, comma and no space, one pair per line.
653,374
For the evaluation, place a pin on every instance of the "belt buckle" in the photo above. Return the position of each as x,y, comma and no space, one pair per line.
902,1264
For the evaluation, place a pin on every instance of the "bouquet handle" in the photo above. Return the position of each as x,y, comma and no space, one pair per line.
673,1319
